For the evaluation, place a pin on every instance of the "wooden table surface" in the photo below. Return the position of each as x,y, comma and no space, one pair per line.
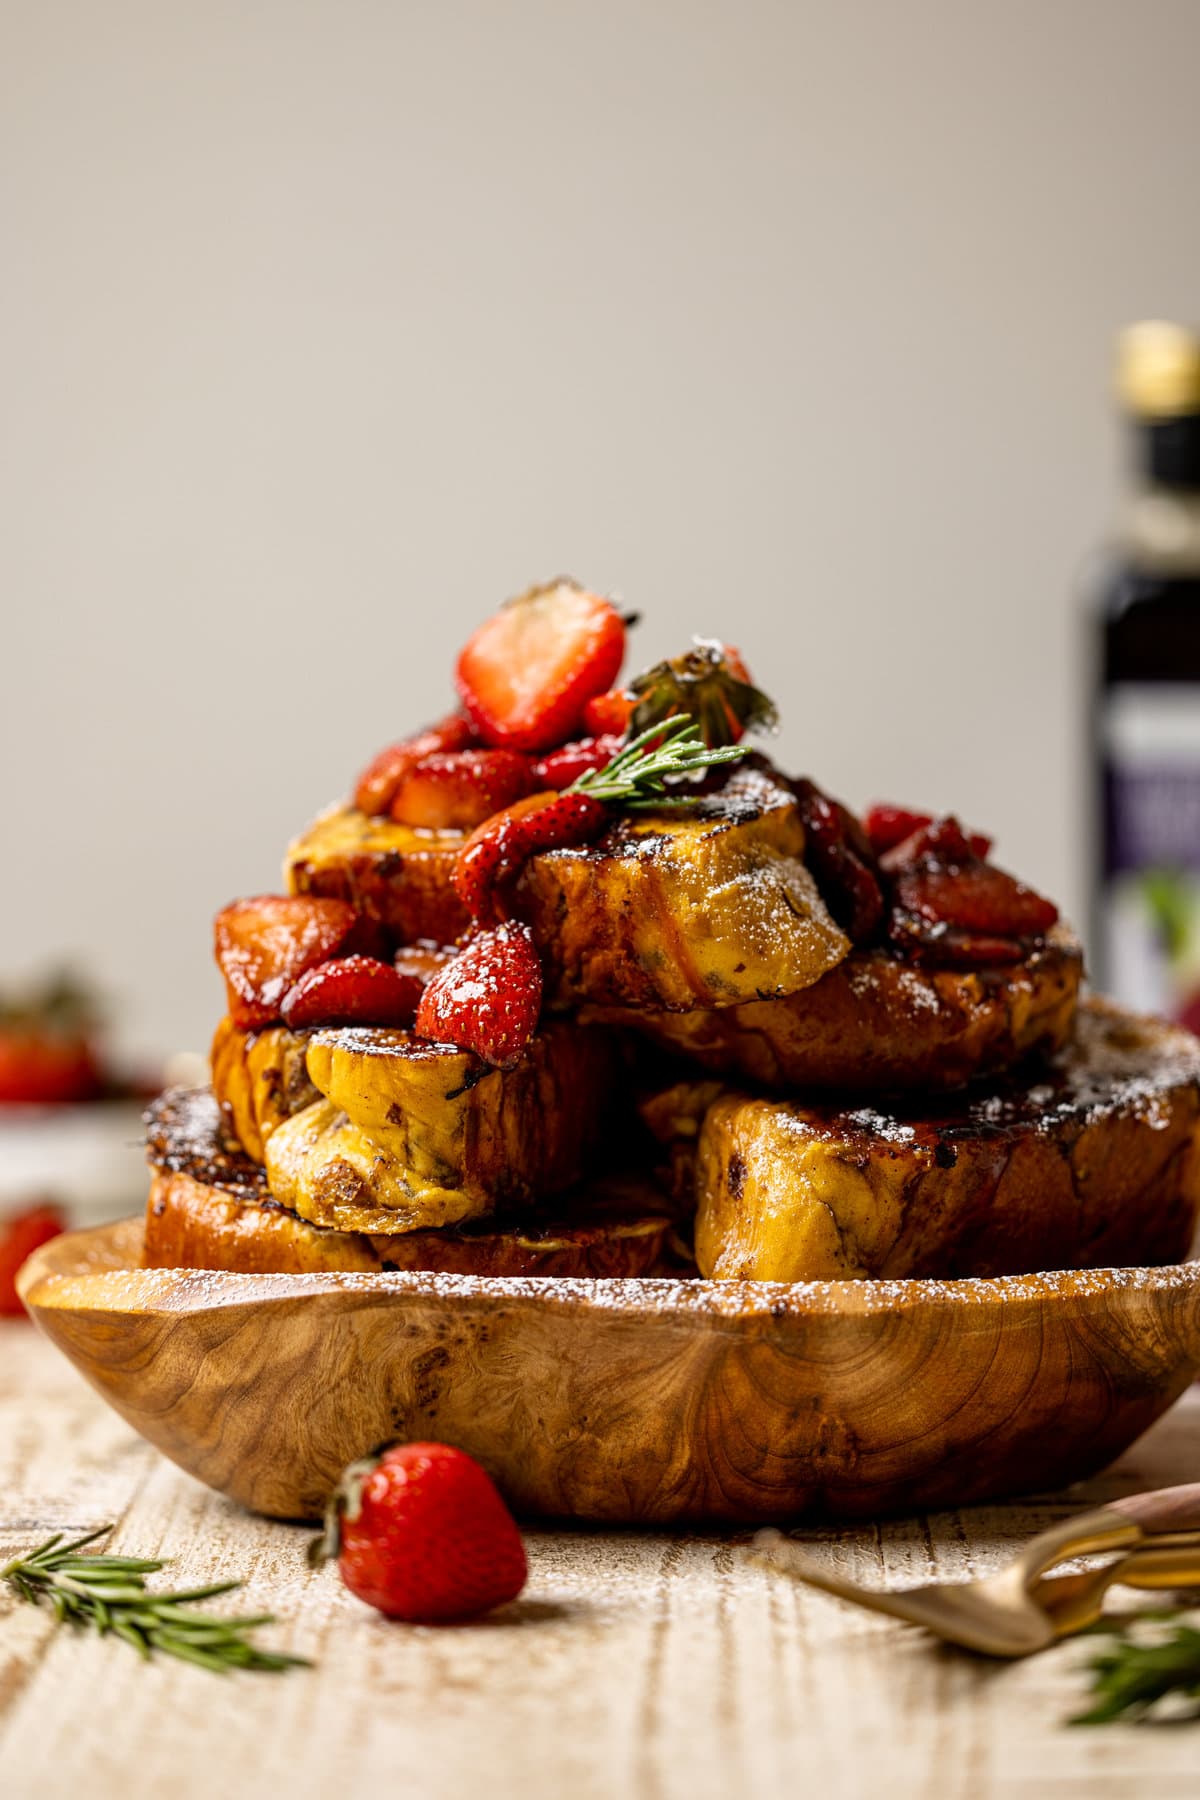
641,1664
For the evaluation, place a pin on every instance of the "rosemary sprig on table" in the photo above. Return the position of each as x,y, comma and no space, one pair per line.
109,1593
637,774
1129,1679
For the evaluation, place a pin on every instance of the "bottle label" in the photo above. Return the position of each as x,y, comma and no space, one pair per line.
1149,902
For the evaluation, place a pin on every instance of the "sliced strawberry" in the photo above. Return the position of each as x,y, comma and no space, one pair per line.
528,672
887,825
974,897
561,767
353,990
379,781
890,827
454,790
610,713
495,853
264,945
840,858
488,998
19,1238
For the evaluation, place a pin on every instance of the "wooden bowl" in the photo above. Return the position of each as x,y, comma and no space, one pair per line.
628,1401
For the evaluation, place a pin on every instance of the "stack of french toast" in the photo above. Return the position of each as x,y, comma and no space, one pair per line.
579,983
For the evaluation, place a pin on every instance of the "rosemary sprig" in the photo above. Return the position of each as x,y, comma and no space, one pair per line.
637,774
1129,1679
109,1593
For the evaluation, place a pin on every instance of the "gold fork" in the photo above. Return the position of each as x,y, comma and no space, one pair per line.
1017,1610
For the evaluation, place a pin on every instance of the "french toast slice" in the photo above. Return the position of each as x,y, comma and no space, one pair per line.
397,876
708,905
412,1135
210,1208
878,1023
260,1078
1090,1159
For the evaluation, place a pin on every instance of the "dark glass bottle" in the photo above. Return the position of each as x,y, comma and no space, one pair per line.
1145,939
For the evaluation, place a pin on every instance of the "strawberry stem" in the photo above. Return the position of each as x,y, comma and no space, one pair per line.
637,775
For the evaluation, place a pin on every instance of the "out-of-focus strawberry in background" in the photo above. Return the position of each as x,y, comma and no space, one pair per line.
70,1119
325,328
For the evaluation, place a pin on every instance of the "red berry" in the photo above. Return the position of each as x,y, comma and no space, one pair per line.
19,1238
354,990
41,1067
495,853
610,713
488,998
561,767
887,825
421,1533
841,858
377,785
528,672
264,945
454,790
947,946
890,827
974,898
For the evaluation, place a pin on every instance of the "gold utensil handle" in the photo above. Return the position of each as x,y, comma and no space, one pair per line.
1154,1568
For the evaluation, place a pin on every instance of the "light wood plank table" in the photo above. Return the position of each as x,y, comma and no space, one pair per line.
641,1664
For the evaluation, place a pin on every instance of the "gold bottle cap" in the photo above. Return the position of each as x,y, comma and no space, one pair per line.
1158,369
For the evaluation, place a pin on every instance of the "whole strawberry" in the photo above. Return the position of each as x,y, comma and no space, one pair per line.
421,1534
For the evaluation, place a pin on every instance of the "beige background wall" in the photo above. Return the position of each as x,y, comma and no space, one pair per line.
325,326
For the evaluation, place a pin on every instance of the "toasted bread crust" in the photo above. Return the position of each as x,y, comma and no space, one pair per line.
210,1208
1090,1160
879,1024
398,876
260,1079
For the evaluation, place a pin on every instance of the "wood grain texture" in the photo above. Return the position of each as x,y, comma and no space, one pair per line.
628,1401
644,1664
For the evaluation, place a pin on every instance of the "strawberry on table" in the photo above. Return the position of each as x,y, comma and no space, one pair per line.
353,990
488,998
379,782
19,1238
263,946
454,790
527,673
421,1533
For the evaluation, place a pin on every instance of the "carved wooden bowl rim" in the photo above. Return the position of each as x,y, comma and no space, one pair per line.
67,1274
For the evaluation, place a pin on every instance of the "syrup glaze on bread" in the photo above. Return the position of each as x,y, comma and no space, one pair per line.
878,1023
